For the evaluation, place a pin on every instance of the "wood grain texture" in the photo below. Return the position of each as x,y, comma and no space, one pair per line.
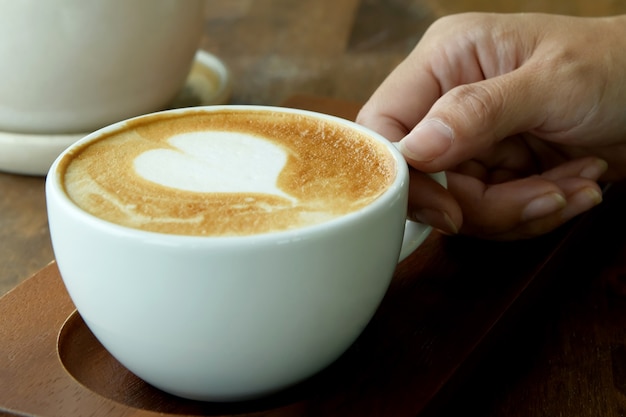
24,236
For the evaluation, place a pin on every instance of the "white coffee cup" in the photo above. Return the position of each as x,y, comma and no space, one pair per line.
229,317
73,66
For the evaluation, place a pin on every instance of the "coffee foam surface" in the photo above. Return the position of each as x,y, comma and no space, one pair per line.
227,173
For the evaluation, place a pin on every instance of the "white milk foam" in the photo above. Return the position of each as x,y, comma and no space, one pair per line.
216,162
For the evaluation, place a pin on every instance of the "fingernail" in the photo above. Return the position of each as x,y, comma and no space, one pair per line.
595,171
427,141
544,205
436,218
582,201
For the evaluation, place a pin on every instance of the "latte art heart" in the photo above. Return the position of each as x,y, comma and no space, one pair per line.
215,162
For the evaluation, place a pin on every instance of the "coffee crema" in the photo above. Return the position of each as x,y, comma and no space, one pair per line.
228,172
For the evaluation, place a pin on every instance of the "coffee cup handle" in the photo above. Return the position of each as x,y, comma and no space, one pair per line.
415,233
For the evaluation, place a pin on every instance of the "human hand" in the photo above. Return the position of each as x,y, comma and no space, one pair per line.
525,112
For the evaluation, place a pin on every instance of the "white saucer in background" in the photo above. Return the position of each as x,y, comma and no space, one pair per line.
208,83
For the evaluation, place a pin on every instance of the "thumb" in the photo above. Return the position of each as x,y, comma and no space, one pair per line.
470,118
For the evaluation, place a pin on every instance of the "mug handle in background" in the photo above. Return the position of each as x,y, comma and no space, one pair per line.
415,233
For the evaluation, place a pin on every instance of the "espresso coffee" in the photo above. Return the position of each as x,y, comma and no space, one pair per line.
228,172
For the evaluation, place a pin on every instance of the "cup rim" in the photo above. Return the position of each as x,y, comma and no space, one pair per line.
54,184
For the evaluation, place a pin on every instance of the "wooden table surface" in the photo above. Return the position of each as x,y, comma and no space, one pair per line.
567,357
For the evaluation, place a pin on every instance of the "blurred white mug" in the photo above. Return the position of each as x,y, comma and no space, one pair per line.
71,66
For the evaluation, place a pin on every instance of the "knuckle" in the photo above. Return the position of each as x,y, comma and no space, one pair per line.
481,106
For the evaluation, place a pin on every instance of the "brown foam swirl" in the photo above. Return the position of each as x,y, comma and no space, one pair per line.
330,171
